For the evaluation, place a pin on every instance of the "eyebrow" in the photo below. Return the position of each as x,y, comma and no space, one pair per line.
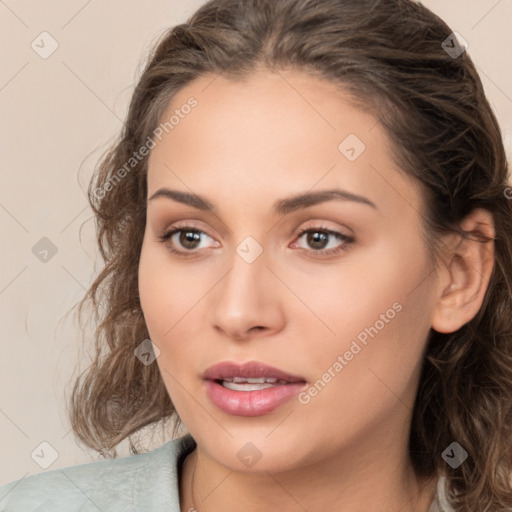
282,206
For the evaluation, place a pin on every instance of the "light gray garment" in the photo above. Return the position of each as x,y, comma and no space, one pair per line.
146,482
440,504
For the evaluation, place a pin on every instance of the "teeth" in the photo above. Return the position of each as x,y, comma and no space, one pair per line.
250,384
259,380
246,387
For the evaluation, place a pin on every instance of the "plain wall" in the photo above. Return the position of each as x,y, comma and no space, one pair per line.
57,116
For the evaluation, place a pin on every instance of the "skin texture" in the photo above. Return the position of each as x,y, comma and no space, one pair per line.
243,147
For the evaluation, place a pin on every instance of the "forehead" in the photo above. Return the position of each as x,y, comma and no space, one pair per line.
288,129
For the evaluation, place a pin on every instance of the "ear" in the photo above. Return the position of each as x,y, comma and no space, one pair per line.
464,274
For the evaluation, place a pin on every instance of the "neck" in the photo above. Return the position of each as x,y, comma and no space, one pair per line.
347,482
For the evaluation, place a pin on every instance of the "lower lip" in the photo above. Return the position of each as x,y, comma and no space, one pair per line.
251,403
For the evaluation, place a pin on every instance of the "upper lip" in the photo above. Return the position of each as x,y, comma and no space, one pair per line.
251,369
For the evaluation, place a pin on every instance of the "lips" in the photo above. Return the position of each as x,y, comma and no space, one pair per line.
250,370
250,389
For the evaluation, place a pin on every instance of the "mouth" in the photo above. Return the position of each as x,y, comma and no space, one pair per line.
250,389
248,384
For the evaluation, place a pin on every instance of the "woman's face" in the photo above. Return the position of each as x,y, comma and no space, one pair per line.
344,308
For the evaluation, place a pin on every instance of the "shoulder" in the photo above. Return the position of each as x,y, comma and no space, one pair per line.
147,481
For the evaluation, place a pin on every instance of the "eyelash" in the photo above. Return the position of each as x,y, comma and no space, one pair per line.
347,240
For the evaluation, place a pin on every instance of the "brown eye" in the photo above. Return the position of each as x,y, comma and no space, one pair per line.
189,239
318,239
184,240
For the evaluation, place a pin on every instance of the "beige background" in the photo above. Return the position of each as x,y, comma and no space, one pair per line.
57,116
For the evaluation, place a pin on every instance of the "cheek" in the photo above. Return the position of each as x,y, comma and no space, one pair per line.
166,296
377,311
175,307
166,293
367,287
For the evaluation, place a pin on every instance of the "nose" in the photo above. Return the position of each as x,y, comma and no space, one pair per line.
246,302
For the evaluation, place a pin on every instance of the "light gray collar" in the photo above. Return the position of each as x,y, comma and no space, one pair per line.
440,504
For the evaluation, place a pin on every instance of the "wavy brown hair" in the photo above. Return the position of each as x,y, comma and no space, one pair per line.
390,57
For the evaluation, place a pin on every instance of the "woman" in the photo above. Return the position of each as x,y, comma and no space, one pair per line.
307,236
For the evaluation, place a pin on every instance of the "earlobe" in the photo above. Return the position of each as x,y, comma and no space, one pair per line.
465,274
